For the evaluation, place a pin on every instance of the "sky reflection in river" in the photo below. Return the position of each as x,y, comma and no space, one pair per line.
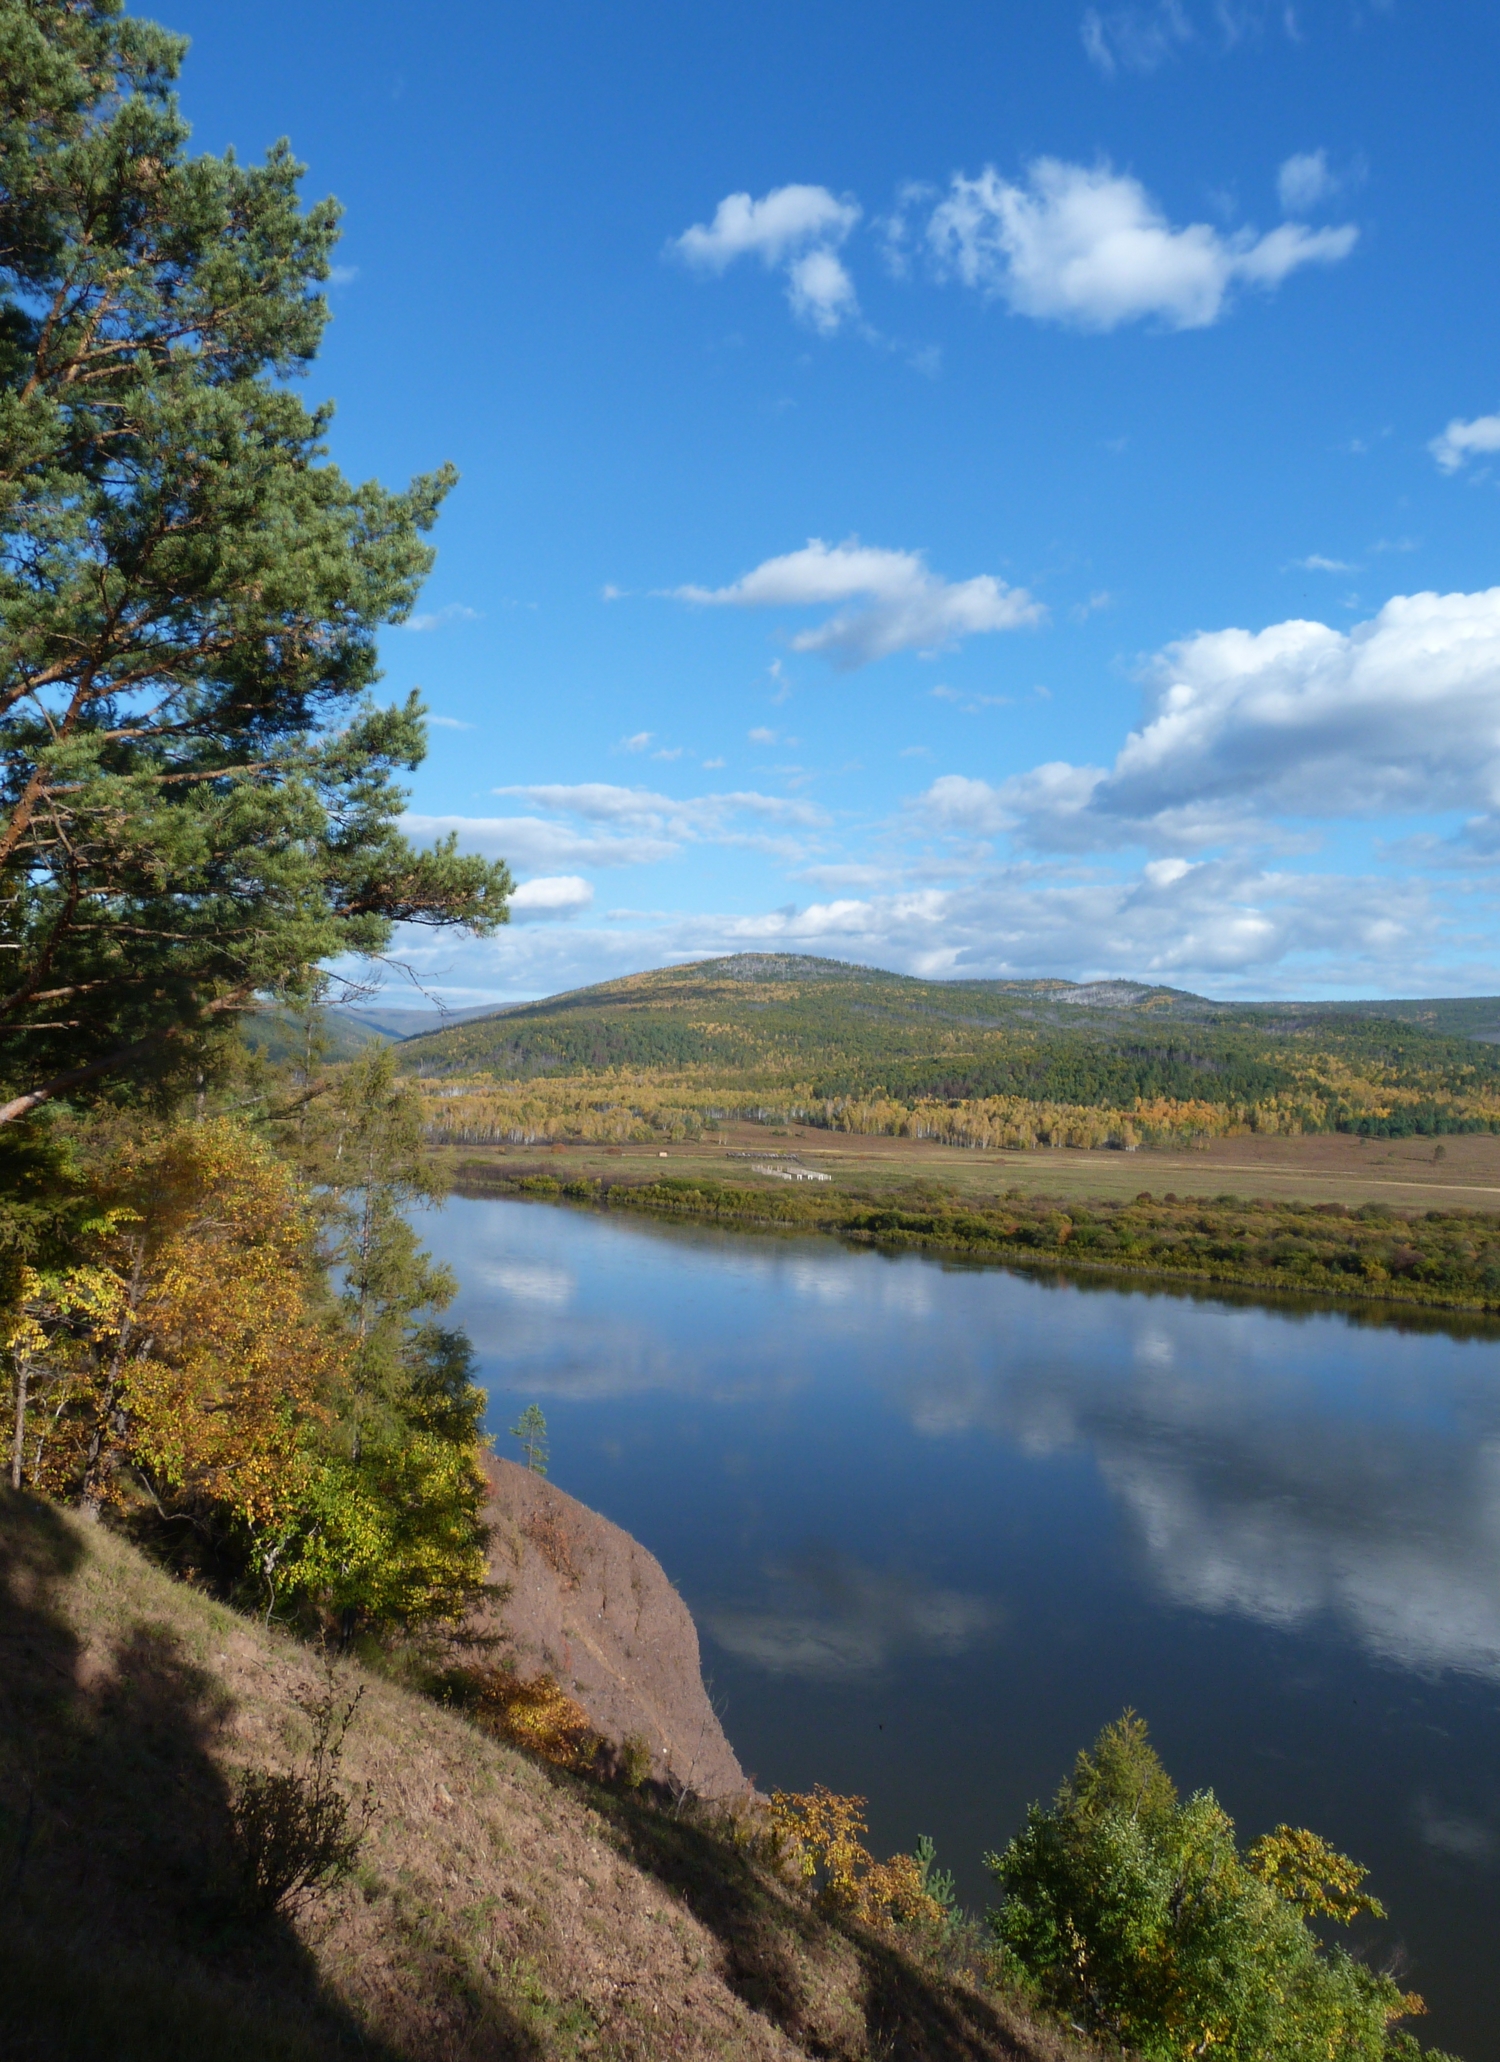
938,1523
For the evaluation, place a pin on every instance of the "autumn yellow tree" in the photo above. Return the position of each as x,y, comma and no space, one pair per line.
820,1836
186,1363
194,1365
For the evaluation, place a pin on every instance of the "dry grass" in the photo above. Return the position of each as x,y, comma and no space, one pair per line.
1321,1168
499,1910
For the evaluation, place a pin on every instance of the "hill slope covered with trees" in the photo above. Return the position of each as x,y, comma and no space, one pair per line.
832,1036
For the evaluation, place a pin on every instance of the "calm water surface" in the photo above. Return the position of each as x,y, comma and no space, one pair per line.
938,1523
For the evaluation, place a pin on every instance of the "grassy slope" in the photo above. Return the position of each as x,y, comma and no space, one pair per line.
842,1030
499,1912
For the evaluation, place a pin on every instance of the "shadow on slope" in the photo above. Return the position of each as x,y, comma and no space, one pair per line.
502,1912
777,1959
119,1932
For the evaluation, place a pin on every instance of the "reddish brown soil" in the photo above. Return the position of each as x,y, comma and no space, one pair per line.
592,1608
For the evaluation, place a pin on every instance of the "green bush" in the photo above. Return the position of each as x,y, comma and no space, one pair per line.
1135,1915
635,1760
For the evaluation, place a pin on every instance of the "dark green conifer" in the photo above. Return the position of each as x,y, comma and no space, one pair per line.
198,801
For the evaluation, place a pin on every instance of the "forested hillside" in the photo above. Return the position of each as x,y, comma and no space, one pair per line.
835,1035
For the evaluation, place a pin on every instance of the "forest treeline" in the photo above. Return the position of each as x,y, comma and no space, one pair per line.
616,1109
972,1063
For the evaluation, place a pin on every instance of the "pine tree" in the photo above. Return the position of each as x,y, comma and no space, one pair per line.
199,801
531,1430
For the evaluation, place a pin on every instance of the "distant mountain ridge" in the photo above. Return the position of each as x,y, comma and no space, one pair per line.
1444,1013
848,1030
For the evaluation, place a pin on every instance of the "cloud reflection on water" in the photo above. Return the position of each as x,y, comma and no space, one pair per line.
1259,1480
1276,1467
832,1619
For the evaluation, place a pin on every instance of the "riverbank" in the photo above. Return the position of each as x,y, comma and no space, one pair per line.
1376,1252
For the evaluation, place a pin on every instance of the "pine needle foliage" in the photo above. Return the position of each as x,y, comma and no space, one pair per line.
531,1430
198,801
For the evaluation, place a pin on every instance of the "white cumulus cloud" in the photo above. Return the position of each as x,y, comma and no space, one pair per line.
596,824
897,602
1401,713
1089,246
550,896
773,229
795,229
1221,926
534,841
1462,441
1186,855
821,291
1399,716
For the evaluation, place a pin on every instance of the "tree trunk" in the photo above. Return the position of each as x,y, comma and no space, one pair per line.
18,1449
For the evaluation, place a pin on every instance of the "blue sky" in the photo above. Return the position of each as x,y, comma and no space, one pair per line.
983,490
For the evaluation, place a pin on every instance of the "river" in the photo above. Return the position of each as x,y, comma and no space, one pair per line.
938,1522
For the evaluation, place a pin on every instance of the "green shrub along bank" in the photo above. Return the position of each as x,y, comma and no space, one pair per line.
1135,1915
1446,1258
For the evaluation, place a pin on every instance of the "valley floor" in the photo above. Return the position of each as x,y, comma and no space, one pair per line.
1323,1217
1459,1172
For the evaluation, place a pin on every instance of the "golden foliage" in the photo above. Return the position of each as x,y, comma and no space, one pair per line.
237,1357
189,1354
197,1362
81,1301
820,1837
1310,1874
637,1107
894,1890
1322,1883
534,1713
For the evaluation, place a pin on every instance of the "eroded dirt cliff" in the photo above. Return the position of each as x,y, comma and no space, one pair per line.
590,1606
